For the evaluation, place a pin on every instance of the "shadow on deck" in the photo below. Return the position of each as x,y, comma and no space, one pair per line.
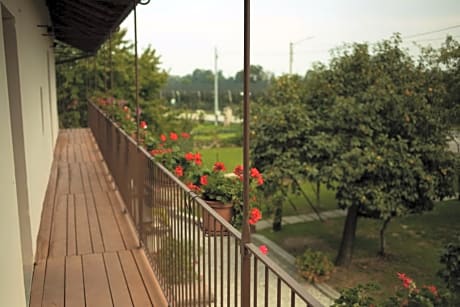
87,251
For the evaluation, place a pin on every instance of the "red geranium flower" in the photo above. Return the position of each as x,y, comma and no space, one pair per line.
218,166
143,125
179,171
189,156
163,138
193,187
185,135
263,249
198,160
204,180
173,136
406,280
260,180
255,172
255,216
238,170
432,289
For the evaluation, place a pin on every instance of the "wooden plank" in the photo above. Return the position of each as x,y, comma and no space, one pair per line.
53,293
44,234
70,152
77,149
94,227
58,243
94,178
97,291
83,235
71,233
110,233
127,232
74,287
38,284
85,172
118,286
151,283
76,184
84,149
135,282
63,179
101,172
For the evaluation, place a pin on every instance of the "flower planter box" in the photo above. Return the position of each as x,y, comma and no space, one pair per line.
210,225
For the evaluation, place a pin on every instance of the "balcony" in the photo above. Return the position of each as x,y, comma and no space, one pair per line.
118,229
87,253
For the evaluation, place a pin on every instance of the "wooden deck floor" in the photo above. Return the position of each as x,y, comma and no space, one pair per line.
87,252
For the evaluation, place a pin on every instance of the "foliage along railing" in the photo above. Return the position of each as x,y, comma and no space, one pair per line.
194,266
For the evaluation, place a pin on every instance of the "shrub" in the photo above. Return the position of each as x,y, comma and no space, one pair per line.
451,271
409,294
314,265
358,296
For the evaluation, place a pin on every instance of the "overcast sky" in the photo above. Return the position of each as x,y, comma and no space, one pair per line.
185,32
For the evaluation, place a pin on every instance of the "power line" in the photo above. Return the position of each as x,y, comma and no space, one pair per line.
433,39
430,32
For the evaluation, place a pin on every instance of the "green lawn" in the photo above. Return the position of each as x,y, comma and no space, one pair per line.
300,204
208,134
414,244
231,156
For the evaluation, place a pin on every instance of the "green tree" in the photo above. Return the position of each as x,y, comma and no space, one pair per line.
109,72
369,126
391,158
281,140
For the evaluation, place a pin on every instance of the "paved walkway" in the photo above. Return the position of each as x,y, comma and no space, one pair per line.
322,291
264,224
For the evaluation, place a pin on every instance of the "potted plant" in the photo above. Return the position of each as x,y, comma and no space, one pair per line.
218,190
223,192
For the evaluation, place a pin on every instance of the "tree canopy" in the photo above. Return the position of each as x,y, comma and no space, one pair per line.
370,126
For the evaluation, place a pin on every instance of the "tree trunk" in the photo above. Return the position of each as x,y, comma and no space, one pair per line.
348,237
318,192
278,216
382,236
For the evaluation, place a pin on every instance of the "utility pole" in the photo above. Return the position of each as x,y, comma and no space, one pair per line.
291,51
216,87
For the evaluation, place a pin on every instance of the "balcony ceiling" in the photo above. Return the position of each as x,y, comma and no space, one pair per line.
86,24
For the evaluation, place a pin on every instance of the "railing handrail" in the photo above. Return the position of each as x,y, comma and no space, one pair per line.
293,285
184,187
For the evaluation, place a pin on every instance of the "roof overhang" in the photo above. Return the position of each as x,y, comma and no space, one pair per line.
86,24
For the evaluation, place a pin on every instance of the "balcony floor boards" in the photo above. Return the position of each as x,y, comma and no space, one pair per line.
87,253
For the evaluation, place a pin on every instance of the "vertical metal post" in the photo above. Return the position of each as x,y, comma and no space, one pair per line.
136,73
291,56
95,73
246,235
138,178
111,64
216,87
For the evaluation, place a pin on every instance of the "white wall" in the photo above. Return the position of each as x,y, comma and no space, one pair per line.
40,128
11,280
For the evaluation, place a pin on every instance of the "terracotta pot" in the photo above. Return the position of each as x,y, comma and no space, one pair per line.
210,224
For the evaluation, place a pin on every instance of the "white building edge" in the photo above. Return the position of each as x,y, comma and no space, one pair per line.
28,132
29,119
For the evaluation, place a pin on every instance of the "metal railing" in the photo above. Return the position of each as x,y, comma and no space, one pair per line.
196,260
